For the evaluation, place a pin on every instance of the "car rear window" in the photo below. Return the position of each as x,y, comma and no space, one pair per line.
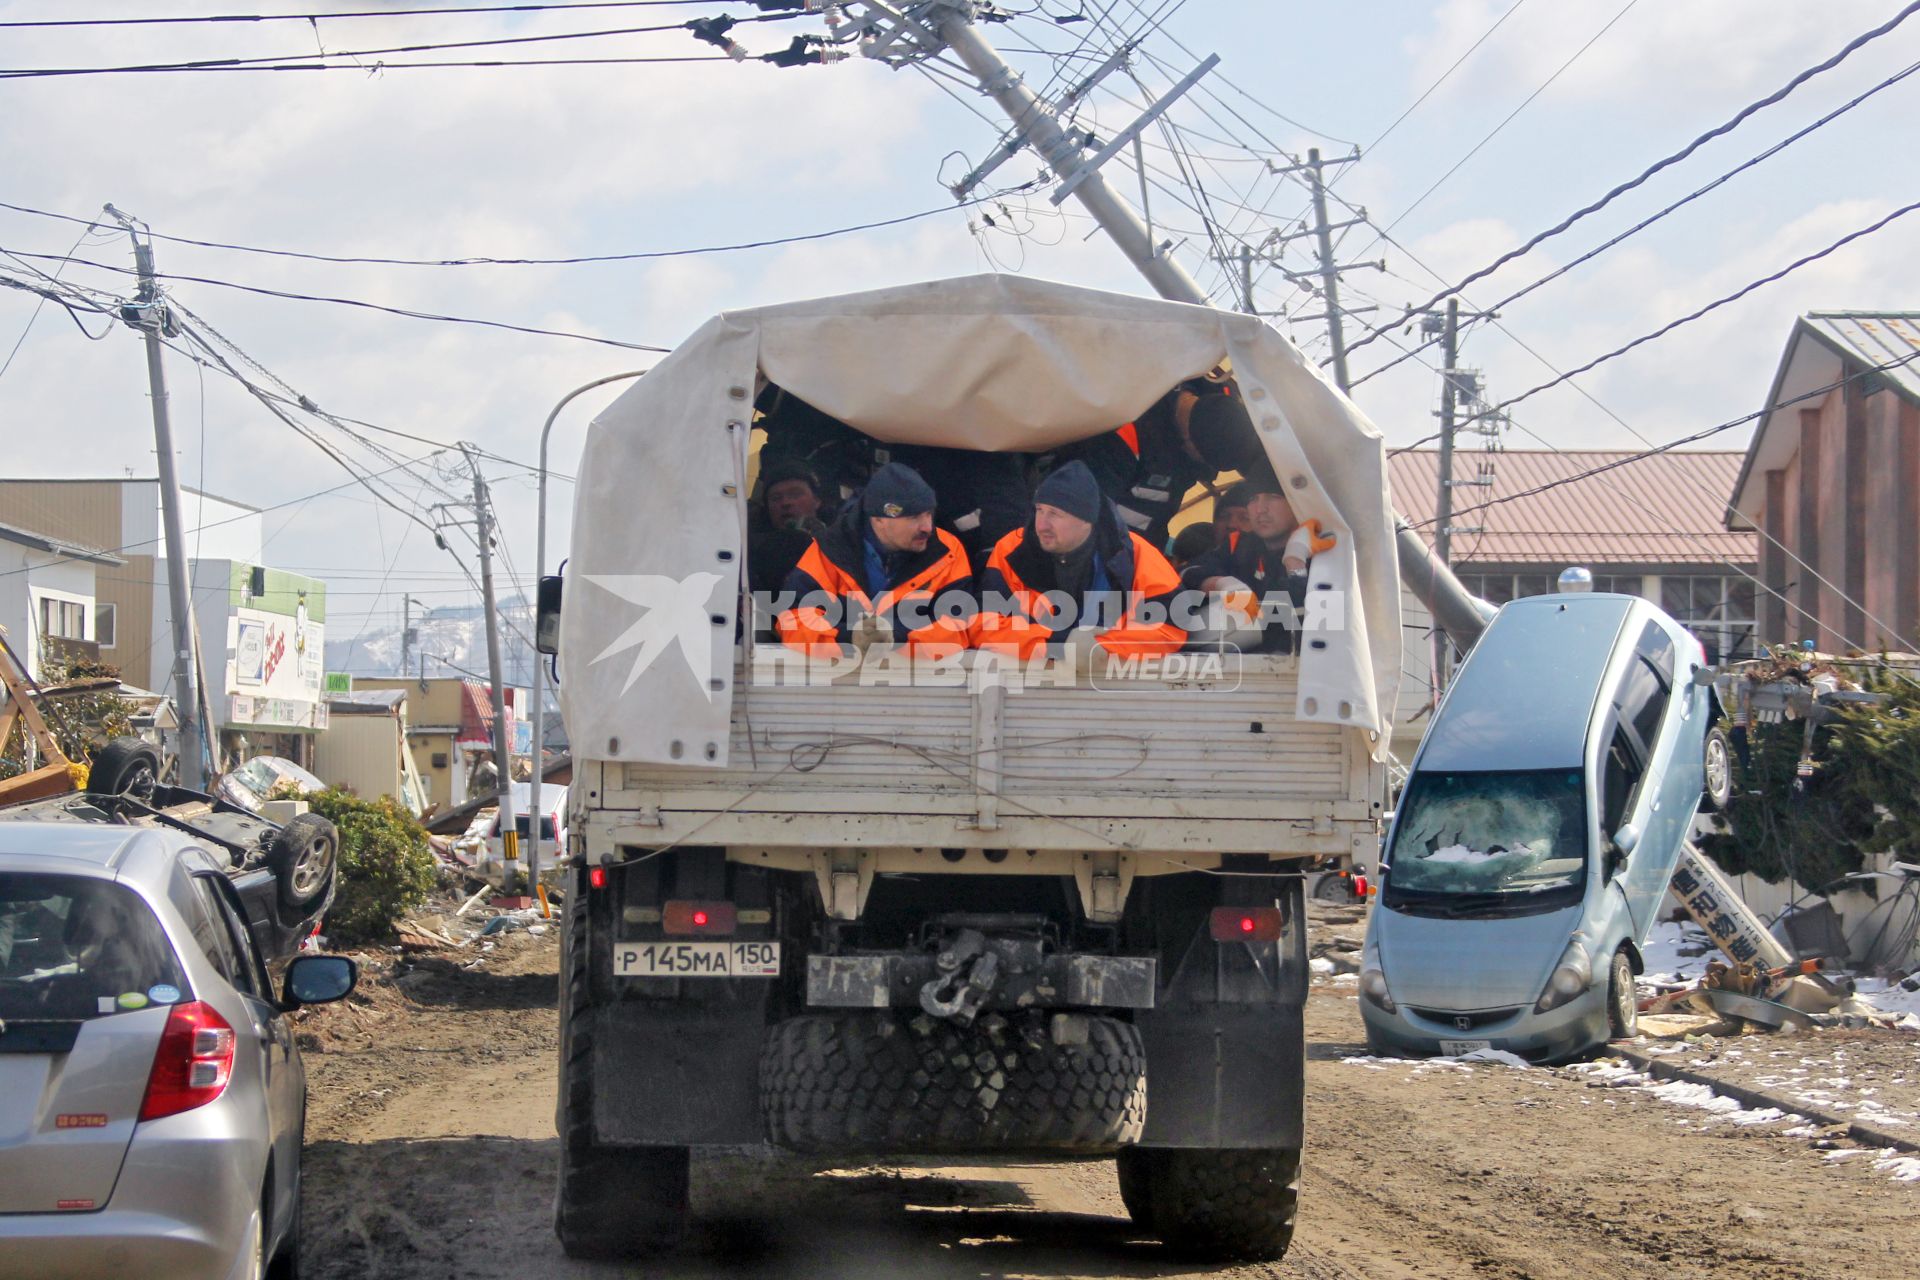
75,947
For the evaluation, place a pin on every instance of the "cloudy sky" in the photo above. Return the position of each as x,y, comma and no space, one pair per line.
1540,107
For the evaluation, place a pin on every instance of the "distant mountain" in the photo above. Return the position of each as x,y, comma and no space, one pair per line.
450,638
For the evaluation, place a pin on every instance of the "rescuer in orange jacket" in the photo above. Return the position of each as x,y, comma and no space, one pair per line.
1098,574
881,563
1267,560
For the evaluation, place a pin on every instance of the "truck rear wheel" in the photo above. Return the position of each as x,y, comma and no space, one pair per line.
877,1082
1214,1205
612,1202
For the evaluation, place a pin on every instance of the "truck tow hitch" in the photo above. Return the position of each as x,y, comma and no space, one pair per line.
965,972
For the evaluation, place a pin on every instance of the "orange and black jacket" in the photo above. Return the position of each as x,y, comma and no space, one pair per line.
1015,616
1248,557
1144,468
836,566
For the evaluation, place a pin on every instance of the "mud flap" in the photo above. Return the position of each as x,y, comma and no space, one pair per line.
1226,1041
680,1074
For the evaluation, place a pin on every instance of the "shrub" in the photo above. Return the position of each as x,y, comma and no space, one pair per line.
386,866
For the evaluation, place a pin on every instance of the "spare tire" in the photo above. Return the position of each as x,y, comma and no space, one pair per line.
125,767
879,1082
302,856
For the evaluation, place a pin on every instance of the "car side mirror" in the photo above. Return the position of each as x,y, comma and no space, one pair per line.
318,980
1705,675
546,627
1627,838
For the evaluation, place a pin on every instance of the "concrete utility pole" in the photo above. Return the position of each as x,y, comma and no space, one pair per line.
1329,273
1449,403
952,26
406,628
502,733
149,315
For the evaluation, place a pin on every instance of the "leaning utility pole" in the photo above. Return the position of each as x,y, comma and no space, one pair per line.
915,32
148,313
502,733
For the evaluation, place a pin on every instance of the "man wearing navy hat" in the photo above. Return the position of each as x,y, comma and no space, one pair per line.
881,564
1074,546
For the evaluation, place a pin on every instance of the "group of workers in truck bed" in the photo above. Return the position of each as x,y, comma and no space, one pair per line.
941,549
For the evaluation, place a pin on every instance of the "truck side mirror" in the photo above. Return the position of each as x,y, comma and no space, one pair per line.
546,627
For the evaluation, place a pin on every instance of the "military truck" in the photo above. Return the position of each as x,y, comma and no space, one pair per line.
877,903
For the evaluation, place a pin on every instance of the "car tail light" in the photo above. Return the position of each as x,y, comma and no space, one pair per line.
1245,924
597,878
1360,886
193,1063
684,917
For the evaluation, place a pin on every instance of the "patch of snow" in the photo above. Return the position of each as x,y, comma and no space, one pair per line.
1899,1168
1845,1153
1370,1063
1888,997
1345,979
1500,1056
1320,965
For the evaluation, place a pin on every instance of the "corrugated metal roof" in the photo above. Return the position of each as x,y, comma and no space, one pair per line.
58,546
1651,511
1869,338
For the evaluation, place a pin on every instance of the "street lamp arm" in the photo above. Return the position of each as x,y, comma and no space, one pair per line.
539,667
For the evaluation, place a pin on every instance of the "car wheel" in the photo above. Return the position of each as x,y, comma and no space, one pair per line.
1333,887
125,767
302,856
1717,762
1623,999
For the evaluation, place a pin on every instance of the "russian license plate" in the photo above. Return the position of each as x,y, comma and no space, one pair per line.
696,960
1461,1048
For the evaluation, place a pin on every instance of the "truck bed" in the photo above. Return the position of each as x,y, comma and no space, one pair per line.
1186,767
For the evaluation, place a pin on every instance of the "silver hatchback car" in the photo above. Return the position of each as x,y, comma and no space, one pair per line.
1539,826
151,1096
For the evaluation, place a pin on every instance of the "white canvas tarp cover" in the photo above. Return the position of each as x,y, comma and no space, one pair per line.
985,362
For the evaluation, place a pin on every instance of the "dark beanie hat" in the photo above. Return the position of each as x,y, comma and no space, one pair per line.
780,470
1073,489
1259,478
1238,494
896,490
1222,433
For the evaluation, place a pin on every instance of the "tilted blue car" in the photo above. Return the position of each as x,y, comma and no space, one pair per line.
1540,823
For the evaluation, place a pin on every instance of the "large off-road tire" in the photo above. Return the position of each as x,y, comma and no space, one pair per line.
125,767
612,1202
878,1081
302,856
1214,1205
1623,999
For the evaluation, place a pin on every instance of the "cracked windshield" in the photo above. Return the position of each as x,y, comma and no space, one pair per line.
1472,833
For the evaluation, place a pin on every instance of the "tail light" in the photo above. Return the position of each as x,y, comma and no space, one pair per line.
683,917
597,878
193,1064
1245,924
1360,886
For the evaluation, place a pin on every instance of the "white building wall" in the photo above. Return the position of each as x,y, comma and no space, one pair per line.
15,614
53,578
215,529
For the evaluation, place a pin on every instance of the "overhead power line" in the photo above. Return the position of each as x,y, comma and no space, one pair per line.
575,260
1665,162
1698,312
1680,442
360,303
36,73
1676,205
303,58
206,18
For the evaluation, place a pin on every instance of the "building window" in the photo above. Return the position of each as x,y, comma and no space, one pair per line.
62,619
103,625
1718,610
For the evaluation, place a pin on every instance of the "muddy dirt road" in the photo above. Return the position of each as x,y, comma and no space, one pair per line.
431,1154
